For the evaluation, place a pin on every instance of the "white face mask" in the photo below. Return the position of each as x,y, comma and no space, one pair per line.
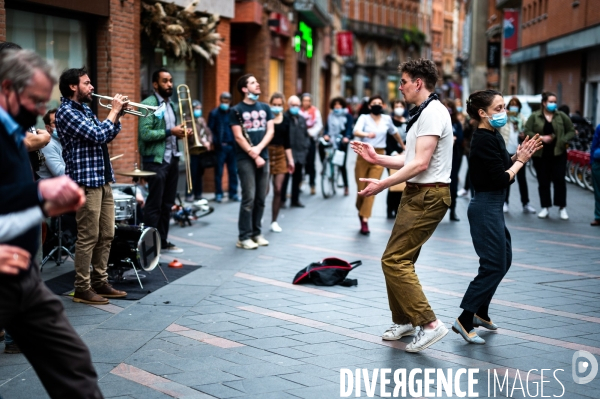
399,111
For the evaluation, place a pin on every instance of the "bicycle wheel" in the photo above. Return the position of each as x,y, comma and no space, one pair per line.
571,170
579,176
587,178
567,177
327,180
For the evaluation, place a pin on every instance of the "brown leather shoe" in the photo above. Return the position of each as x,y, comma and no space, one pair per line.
107,291
90,297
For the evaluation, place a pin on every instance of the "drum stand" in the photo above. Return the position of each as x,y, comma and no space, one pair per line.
58,248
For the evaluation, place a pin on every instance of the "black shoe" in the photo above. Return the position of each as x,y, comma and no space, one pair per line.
297,205
12,349
453,218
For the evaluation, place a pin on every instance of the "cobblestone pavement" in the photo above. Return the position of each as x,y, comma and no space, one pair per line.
237,328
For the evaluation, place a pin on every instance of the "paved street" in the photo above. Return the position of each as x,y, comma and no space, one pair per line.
237,328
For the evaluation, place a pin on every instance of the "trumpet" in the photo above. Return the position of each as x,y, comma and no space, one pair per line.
186,114
143,109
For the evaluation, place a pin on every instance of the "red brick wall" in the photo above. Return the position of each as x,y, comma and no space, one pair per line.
2,21
565,71
118,65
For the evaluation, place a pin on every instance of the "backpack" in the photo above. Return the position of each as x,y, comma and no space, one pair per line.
328,272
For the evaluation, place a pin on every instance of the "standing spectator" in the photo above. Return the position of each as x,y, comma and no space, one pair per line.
300,142
460,111
314,123
196,160
513,134
595,161
158,136
399,120
338,130
281,161
492,171
223,143
555,129
252,125
84,139
457,154
392,147
373,129
54,164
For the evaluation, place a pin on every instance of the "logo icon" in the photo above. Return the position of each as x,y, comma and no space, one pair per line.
581,366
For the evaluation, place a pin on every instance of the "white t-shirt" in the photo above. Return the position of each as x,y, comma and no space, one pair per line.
366,123
434,121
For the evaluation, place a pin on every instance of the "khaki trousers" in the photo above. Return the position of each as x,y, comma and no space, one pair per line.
95,232
364,169
420,211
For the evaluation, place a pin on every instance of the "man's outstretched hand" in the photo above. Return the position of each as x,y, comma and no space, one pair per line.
62,195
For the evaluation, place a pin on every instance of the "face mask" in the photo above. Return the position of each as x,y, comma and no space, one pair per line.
224,107
54,134
294,110
160,112
252,96
276,110
197,113
399,111
338,111
551,107
25,118
498,120
458,109
376,109
513,108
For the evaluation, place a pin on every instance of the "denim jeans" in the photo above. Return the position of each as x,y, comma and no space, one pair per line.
491,240
226,155
255,182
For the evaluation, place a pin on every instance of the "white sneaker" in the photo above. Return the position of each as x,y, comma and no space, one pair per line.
543,213
528,209
276,228
563,214
505,207
260,241
461,193
426,338
397,331
246,244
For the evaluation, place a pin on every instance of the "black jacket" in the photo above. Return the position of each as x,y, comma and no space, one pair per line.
488,161
18,190
299,138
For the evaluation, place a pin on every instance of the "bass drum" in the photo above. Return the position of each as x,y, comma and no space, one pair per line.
139,244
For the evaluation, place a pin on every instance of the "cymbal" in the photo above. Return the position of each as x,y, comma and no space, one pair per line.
116,157
135,173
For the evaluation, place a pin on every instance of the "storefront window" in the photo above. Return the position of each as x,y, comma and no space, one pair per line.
275,76
61,40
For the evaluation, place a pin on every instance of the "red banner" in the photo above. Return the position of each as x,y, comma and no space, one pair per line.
510,31
345,44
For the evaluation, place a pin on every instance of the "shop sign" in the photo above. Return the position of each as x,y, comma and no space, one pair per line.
279,24
493,55
345,44
304,34
510,31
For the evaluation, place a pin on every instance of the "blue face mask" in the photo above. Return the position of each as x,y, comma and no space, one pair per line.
54,134
458,109
294,110
551,107
160,112
252,96
498,120
224,107
338,111
276,110
513,108
197,113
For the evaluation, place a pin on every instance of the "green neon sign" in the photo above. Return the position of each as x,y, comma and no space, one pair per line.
306,35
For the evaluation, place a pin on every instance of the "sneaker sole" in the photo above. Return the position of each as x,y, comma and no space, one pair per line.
243,247
12,352
79,300
406,334
433,341
112,296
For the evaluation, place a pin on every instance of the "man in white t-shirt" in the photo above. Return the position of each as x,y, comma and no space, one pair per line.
425,167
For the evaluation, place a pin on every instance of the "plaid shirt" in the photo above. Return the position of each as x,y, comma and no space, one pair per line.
82,134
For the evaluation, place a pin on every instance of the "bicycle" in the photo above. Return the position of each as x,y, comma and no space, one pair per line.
330,171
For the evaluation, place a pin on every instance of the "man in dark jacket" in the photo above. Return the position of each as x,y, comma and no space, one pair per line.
223,143
300,143
30,312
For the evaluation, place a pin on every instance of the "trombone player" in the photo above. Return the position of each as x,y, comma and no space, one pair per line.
157,138
84,140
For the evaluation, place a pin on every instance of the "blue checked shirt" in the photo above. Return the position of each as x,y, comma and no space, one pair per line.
82,134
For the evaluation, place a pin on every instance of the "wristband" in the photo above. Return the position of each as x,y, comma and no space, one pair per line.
518,160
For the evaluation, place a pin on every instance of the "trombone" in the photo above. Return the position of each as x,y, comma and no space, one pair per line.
143,109
186,114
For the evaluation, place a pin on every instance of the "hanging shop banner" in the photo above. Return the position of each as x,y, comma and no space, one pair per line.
510,31
345,45
493,55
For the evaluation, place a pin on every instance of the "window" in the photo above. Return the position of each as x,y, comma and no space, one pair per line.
370,58
61,40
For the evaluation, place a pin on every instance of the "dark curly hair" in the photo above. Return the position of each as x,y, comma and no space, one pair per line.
337,100
421,68
480,100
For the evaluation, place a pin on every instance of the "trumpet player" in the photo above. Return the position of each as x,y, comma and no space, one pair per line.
84,140
158,136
